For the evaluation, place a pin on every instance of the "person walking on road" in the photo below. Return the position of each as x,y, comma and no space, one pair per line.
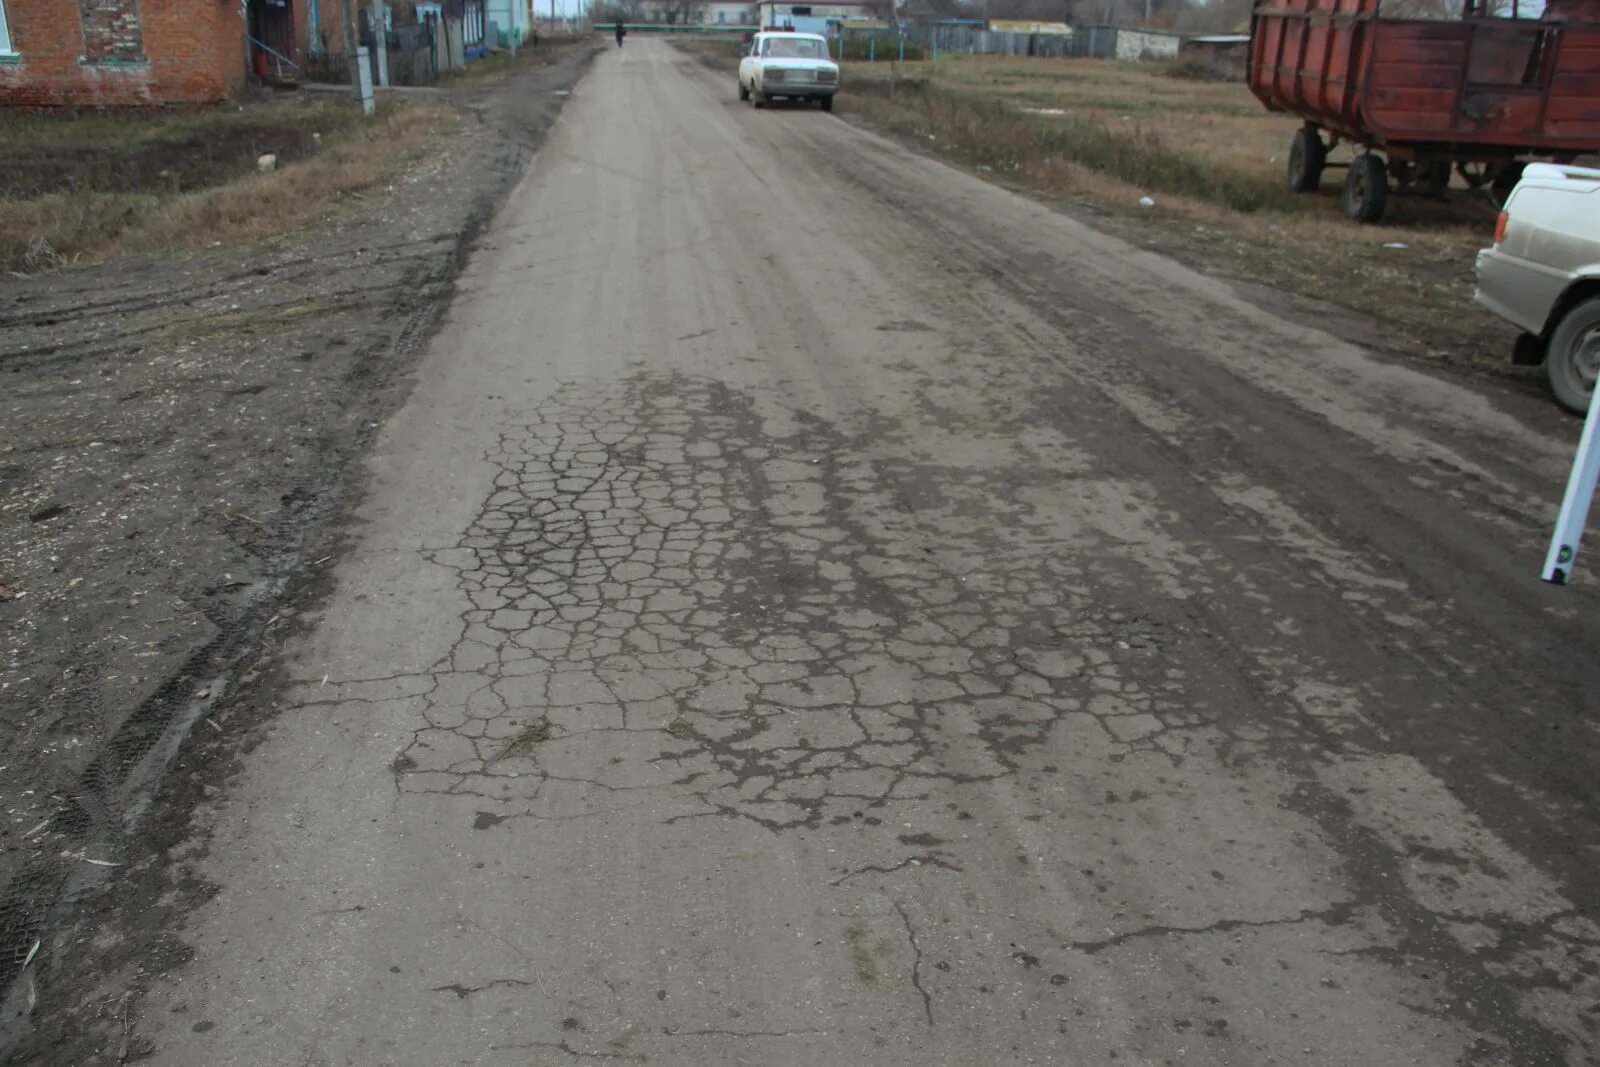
621,33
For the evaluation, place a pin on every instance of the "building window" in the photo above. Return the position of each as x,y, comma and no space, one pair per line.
5,33
722,18
111,31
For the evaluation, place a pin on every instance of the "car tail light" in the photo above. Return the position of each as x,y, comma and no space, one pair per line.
1500,226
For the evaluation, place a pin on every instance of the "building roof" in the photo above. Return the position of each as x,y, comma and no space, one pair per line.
1029,26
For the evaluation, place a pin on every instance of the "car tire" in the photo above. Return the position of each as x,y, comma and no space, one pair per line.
827,103
1366,188
1307,158
744,92
1573,358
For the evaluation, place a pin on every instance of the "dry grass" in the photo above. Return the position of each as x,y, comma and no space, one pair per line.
1009,133
90,220
1212,141
524,743
1105,135
499,65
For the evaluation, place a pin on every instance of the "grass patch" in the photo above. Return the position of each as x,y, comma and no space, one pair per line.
1202,70
860,49
100,185
720,52
993,132
498,66
156,152
861,961
1104,135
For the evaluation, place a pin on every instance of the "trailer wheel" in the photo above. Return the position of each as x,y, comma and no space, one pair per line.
1307,158
1366,188
1505,180
1572,361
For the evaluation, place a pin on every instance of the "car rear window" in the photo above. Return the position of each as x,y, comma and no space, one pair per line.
796,48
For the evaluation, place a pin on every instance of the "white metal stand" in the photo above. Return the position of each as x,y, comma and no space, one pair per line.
1575,506
380,37
364,79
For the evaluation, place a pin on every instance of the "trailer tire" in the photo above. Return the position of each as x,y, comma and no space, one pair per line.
1573,358
1505,180
1366,188
1307,158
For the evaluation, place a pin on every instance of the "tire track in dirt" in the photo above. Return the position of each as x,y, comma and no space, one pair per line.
172,552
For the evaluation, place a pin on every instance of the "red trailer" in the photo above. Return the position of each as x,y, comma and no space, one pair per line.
1420,97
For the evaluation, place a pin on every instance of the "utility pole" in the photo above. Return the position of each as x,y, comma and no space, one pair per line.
380,41
350,57
356,58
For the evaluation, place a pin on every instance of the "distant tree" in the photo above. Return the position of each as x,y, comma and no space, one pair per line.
680,12
1030,10
1158,14
1453,9
1215,16
939,9
617,11
1421,9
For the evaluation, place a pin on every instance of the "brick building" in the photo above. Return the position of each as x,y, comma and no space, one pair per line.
115,53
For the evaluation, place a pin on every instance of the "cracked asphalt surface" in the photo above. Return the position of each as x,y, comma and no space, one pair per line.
817,607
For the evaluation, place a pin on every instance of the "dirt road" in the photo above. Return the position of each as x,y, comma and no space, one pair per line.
817,607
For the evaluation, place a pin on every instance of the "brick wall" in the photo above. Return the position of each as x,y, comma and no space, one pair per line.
111,31
117,53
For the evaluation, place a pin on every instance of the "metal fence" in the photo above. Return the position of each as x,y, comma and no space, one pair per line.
1088,42
413,54
967,41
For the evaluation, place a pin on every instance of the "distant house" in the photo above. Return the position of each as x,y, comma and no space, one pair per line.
512,20
1056,29
122,53
781,14
1227,53
117,53
1112,42
722,13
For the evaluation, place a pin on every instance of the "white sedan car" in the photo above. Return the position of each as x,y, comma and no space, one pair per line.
1543,274
789,65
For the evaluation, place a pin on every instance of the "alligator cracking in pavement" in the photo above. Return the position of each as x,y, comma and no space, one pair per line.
672,605
651,582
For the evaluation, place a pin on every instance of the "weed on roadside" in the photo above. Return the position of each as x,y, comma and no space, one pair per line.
995,133
500,65
173,180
